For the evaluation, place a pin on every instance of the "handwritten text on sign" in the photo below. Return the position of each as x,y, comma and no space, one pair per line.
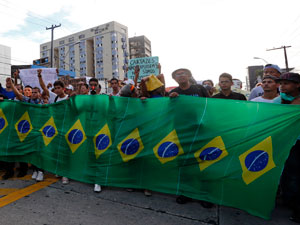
148,66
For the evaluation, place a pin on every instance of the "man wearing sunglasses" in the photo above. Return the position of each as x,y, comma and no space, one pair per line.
182,77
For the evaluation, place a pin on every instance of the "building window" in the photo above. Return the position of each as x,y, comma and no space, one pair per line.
61,42
44,47
81,36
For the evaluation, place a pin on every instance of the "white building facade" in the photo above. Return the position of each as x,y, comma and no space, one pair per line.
101,52
5,63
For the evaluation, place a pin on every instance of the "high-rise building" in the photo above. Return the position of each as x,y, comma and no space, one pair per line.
100,52
5,63
139,47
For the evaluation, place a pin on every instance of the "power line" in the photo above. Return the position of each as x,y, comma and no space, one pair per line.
32,14
285,56
14,59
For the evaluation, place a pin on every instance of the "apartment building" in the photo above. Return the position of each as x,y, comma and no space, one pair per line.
100,52
5,63
139,47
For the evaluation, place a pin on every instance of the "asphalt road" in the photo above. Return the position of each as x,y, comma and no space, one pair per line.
23,201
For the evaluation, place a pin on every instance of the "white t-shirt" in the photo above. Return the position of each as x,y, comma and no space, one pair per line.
53,96
261,99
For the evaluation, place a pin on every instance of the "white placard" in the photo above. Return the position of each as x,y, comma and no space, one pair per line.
29,77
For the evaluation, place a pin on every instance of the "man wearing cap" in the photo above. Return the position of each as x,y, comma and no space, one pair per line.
182,77
69,90
290,179
270,88
271,70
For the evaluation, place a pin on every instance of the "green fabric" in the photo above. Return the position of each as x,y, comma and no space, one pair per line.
223,151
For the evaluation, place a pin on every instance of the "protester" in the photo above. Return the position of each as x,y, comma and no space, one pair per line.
84,89
209,85
270,88
94,86
225,83
182,77
271,70
114,84
68,90
290,179
153,86
7,92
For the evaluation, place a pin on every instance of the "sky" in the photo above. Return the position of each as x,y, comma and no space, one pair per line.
208,37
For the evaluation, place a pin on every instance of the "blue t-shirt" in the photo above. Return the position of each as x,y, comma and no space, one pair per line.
9,94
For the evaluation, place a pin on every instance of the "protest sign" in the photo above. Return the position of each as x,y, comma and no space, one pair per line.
29,76
148,66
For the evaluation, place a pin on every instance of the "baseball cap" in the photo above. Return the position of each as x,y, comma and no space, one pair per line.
272,66
129,81
294,77
70,87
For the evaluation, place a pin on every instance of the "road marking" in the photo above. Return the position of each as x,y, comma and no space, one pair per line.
5,191
14,196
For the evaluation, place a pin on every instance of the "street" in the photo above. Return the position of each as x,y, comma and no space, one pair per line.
50,202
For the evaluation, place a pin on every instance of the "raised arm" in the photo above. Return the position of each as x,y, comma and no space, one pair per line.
15,90
136,74
42,83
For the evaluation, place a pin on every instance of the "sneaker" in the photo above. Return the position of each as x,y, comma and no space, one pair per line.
65,180
182,199
40,176
206,204
147,192
97,188
34,175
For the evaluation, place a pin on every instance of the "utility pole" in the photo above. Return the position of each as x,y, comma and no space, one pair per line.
285,56
52,29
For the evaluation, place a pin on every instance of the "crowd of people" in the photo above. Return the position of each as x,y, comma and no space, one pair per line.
275,88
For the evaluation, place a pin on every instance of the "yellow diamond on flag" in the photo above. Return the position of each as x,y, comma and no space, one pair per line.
23,126
211,153
257,161
168,148
3,121
131,146
75,136
48,131
102,141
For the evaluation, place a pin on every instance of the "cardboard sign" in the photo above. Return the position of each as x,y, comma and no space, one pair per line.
148,66
29,77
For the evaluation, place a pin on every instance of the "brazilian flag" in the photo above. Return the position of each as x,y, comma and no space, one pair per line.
228,152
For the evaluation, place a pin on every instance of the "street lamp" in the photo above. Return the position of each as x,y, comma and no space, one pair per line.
261,59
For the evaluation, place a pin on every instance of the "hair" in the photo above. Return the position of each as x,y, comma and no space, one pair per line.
183,69
86,85
100,86
113,79
93,79
210,81
59,83
226,75
28,86
20,86
44,95
37,88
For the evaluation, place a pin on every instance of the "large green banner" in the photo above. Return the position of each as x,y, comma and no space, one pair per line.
223,151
